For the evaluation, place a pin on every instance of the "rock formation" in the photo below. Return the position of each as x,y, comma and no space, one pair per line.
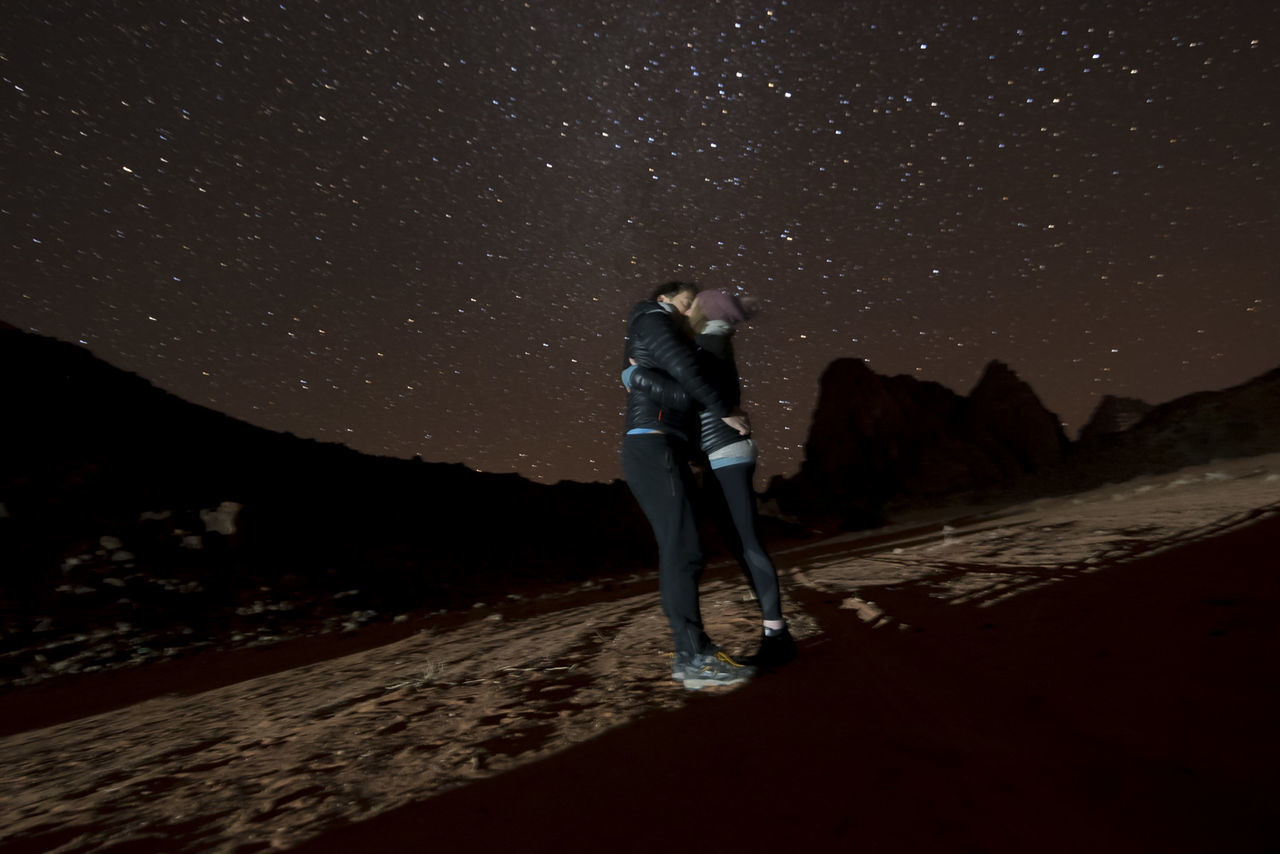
878,442
1113,415
127,506
876,439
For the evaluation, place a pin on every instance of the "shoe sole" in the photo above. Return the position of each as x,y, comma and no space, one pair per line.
696,684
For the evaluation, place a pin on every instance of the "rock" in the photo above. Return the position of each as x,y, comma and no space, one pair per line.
877,439
1241,421
221,520
1011,425
1113,415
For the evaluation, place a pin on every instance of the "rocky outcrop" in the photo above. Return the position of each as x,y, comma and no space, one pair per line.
1240,421
125,505
1113,415
877,439
878,442
1010,425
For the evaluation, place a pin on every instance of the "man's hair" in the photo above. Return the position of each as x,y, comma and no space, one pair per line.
670,289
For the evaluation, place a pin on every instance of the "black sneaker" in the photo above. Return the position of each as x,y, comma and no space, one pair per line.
776,649
709,669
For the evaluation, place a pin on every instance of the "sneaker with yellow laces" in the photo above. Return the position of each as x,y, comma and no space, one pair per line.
709,670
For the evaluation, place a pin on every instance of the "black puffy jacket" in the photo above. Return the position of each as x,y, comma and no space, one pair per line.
655,342
716,363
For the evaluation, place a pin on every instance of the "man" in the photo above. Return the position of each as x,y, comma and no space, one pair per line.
655,454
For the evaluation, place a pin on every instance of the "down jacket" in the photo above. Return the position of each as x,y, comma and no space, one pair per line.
716,364
655,342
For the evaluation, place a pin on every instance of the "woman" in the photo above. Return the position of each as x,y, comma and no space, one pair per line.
713,318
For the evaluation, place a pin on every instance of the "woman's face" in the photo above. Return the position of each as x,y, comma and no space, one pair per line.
683,301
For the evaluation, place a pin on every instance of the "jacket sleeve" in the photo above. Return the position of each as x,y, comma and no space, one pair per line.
673,353
658,387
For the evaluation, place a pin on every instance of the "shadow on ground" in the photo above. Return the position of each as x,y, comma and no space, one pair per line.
1129,710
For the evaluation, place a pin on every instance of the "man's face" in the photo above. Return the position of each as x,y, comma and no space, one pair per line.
683,301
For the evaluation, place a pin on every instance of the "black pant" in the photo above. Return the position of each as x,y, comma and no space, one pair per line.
740,497
657,472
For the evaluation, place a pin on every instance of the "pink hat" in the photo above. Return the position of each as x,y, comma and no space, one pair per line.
722,305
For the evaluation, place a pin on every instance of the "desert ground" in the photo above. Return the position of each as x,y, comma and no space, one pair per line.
1094,672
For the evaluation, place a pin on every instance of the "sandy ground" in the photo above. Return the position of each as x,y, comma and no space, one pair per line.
1088,673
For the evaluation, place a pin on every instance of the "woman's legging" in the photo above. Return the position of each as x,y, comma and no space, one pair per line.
735,483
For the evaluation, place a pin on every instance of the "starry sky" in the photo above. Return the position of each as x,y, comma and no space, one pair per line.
416,228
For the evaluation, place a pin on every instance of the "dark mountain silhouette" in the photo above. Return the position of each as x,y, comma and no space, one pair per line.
1010,425
121,504
1112,415
89,445
879,443
1240,421
876,439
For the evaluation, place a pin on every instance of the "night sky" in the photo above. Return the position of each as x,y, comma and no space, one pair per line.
417,228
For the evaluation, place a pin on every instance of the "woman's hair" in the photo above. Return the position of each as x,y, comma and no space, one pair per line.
670,289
